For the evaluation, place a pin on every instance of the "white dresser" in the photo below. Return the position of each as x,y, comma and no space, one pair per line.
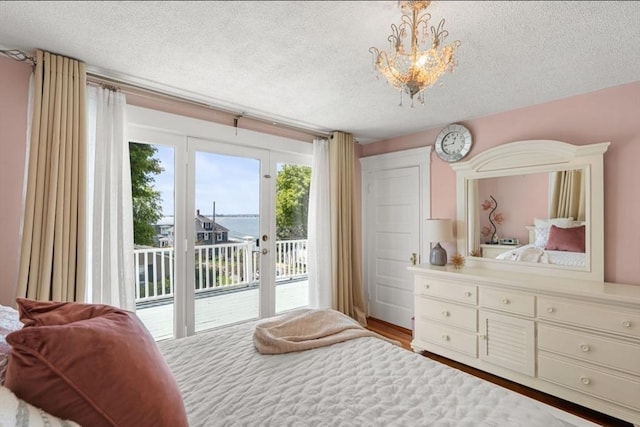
578,340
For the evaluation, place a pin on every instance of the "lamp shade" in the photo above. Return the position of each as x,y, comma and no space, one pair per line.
439,230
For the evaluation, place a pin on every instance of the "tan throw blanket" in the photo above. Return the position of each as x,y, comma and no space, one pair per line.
305,329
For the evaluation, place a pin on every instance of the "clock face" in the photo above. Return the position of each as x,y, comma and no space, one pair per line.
453,143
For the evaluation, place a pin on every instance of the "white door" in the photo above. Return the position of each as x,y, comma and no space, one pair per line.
235,274
395,196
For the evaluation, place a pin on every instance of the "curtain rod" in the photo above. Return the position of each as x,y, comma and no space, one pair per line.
18,55
115,84
134,89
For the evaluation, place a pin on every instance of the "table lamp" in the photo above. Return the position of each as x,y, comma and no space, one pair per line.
438,230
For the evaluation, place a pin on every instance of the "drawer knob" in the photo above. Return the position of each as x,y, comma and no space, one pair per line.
550,310
584,347
426,286
467,294
585,380
626,323
484,337
445,337
505,301
445,313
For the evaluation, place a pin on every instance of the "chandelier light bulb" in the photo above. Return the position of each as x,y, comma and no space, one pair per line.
410,67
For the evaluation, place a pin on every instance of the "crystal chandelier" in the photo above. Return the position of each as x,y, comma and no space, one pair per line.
408,67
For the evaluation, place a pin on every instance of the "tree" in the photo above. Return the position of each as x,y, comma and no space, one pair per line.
292,202
146,199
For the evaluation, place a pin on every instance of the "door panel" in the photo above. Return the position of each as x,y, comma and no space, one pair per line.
229,280
393,229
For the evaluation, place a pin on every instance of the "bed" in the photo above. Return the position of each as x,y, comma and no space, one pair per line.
559,241
219,378
360,382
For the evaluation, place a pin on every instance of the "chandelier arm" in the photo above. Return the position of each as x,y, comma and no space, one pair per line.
395,38
423,19
439,33
398,80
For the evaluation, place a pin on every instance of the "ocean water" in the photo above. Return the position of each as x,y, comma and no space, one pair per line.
241,226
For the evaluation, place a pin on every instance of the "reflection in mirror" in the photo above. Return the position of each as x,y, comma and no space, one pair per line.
535,207
507,205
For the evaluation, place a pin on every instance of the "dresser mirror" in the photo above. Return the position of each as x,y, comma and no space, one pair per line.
526,177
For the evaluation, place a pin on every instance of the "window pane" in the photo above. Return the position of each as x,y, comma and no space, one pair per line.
152,190
292,206
227,194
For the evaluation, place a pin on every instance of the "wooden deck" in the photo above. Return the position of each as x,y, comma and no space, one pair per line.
224,309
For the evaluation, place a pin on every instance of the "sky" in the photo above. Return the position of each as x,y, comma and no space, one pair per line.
232,182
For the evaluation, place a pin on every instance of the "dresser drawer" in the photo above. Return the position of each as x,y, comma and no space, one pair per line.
448,337
602,317
447,312
590,348
509,301
446,289
621,390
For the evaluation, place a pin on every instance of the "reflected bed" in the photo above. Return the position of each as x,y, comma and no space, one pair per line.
530,253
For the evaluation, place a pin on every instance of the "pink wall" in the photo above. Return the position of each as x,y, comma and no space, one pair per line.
611,114
520,199
14,87
606,115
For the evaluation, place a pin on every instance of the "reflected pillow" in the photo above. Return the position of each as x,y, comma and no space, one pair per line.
94,364
542,235
566,239
547,223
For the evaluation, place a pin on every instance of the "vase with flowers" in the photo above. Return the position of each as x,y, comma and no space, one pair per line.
494,218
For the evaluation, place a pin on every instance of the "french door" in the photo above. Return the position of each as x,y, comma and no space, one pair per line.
220,256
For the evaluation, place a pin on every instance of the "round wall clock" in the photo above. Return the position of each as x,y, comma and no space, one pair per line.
453,143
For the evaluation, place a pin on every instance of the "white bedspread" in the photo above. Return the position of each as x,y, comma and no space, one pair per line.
362,382
529,253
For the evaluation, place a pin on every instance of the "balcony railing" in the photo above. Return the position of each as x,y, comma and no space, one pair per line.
217,267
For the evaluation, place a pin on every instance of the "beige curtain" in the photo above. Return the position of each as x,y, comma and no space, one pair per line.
567,195
347,291
52,261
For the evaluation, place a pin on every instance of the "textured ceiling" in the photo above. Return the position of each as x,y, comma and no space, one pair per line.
307,64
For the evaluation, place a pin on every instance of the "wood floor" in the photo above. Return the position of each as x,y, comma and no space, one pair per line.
404,336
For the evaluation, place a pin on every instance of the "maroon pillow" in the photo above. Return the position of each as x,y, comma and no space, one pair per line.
566,239
93,364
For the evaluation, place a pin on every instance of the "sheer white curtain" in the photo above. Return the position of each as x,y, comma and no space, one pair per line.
111,274
319,228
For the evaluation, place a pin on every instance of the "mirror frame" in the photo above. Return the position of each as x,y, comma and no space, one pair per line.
536,156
